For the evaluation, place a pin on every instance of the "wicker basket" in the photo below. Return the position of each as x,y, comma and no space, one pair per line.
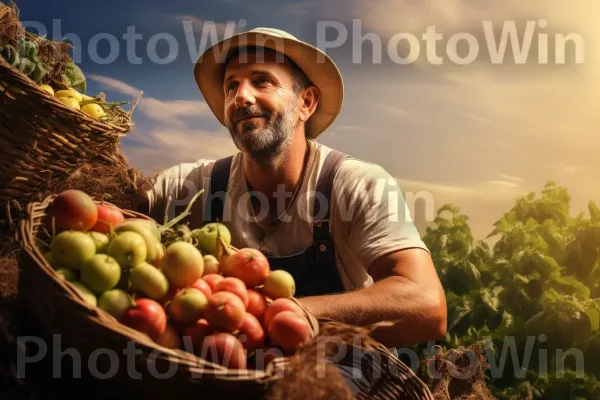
58,309
42,139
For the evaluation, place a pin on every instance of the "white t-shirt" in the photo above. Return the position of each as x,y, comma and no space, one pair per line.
369,216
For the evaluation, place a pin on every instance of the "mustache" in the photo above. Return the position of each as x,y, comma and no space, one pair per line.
248,112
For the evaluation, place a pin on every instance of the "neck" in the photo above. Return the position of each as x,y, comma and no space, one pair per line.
267,175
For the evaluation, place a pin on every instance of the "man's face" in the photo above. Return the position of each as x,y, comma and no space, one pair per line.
260,103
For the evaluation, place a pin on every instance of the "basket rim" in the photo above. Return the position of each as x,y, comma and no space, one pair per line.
63,108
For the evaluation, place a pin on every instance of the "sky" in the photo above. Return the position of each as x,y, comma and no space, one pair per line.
456,121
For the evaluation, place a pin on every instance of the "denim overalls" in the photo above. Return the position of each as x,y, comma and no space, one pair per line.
314,269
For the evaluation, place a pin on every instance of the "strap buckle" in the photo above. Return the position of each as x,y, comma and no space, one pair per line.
323,250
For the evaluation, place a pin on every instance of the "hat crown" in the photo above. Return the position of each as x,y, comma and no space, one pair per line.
273,31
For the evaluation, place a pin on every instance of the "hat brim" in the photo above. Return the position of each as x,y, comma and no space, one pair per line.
318,67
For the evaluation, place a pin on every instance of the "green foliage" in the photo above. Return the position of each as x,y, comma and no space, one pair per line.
73,77
537,290
25,57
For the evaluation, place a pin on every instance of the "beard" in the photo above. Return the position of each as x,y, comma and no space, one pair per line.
270,140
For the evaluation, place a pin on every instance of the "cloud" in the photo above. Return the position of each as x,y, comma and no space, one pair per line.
509,177
167,147
168,112
174,135
507,184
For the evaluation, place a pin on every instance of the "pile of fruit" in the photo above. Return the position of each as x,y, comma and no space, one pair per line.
190,291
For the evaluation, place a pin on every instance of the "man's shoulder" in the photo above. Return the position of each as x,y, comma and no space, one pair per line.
186,170
350,164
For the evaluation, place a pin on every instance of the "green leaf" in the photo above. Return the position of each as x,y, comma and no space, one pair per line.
26,66
458,309
571,286
39,72
594,211
593,315
521,279
443,241
27,48
11,55
73,77
490,300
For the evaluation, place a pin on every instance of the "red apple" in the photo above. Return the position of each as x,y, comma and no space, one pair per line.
213,280
224,349
249,265
235,286
72,210
194,335
225,311
257,304
289,331
169,338
147,316
108,218
202,286
251,334
278,306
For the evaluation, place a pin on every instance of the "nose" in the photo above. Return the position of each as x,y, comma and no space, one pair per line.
244,96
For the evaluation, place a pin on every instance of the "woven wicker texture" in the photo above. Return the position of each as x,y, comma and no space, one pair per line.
42,139
59,310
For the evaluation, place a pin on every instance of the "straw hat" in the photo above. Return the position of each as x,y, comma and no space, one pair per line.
318,67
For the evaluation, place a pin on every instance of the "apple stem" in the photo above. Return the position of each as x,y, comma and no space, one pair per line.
166,217
181,216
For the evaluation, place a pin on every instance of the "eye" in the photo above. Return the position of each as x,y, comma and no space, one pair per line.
262,81
229,87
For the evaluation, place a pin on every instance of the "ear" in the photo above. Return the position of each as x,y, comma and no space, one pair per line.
309,100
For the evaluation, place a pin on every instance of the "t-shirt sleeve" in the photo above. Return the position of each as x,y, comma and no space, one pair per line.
372,210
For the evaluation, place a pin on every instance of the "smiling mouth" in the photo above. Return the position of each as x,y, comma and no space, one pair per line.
249,118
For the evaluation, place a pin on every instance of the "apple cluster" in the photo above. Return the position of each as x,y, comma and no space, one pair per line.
227,303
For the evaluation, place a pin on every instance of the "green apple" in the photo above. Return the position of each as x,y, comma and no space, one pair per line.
207,237
72,249
115,302
128,248
101,273
88,296
149,280
101,241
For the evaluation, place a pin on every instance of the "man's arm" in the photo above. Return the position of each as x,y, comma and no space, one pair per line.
406,288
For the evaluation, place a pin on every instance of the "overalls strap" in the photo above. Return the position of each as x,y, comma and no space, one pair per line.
217,190
314,269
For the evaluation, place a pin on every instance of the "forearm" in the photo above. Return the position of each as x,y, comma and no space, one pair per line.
392,299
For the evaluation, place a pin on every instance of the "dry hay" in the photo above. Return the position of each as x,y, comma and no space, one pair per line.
460,374
310,375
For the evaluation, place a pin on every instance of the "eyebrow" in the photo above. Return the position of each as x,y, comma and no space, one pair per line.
253,72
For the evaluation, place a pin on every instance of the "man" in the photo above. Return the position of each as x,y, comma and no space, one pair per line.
338,224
